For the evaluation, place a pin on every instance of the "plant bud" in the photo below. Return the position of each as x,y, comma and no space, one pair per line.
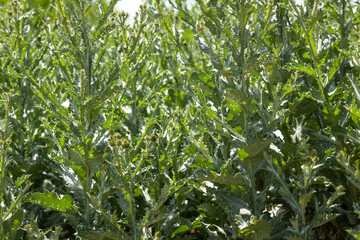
112,143
167,57
153,138
116,136
125,143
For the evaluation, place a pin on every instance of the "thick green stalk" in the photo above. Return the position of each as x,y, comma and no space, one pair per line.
4,145
183,51
314,58
83,126
130,189
132,213
85,92
253,188
3,148
128,185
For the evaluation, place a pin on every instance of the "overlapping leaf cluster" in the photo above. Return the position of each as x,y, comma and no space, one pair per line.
230,120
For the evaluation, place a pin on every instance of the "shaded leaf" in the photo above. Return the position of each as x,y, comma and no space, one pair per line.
104,236
101,98
262,229
256,148
224,178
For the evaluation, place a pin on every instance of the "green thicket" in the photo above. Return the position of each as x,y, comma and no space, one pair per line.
231,120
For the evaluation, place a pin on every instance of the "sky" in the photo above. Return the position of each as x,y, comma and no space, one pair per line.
129,6
132,6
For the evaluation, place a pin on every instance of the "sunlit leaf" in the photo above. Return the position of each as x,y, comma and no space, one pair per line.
52,200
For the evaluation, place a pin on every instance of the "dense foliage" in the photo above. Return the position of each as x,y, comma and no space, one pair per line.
231,120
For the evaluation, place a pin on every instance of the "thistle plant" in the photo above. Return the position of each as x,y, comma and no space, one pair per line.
224,120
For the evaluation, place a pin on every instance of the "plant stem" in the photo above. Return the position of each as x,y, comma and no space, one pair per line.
253,188
314,58
130,189
4,146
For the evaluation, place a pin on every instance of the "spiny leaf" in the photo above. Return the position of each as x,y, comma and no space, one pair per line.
181,229
236,98
295,238
75,157
51,200
287,196
105,236
72,180
235,204
326,218
307,70
43,3
109,218
242,153
355,233
188,35
101,98
304,199
262,229
355,86
256,148
224,178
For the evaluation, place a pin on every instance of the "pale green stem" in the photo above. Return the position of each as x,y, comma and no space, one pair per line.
2,164
314,57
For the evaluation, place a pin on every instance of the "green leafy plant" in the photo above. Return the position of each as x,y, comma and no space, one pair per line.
225,120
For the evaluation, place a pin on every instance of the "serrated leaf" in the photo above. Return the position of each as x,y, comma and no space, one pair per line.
355,233
51,200
255,160
72,180
76,158
123,201
307,70
242,154
316,95
326,218
286,195
204,48
22,179
262,229
211,210
101,98
181,229
295,238
150,219
256,148
356,207
213,116
15,205
236,99
43,3
223,178
110,218
105,236
95,163
355,86
339,191
234,203
188,35
303,200
182,59
91,163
